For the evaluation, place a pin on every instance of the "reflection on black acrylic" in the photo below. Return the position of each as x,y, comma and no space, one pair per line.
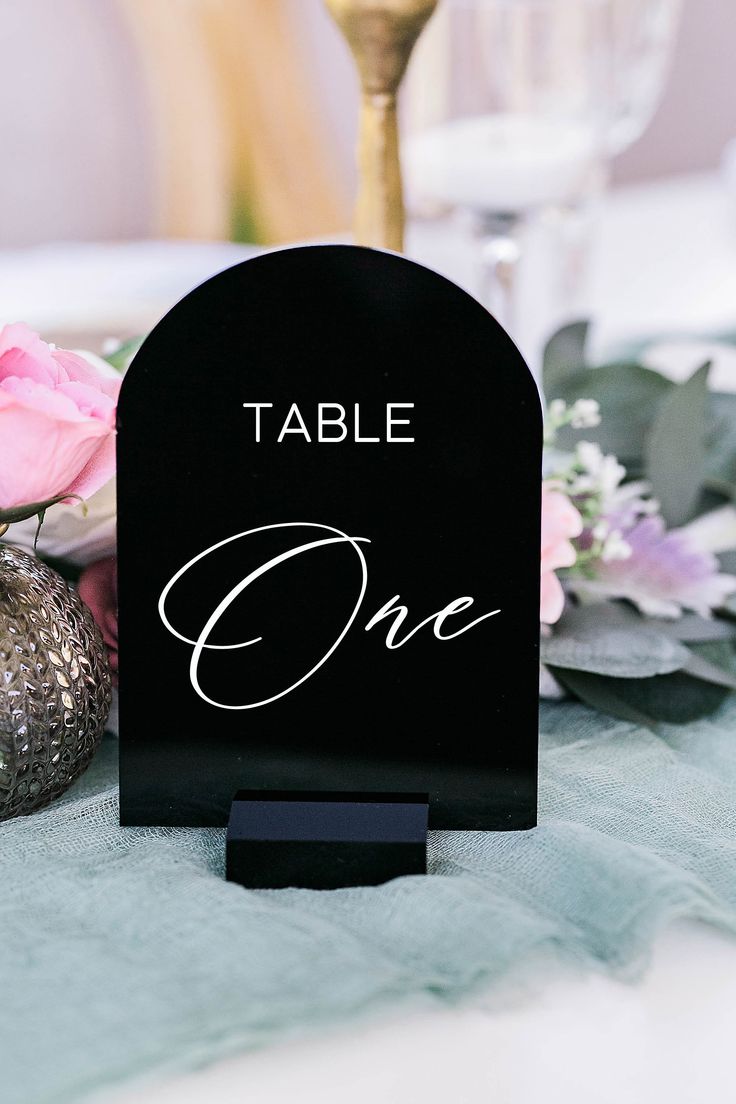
328,494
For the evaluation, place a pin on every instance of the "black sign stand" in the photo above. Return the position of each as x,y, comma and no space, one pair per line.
325,840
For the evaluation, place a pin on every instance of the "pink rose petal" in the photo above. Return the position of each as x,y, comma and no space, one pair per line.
23,353
560,522
98,590
57,421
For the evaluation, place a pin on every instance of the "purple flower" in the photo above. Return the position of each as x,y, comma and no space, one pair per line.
665,573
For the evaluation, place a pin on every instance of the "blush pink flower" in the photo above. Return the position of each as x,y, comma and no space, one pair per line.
57,421
560,523
98,589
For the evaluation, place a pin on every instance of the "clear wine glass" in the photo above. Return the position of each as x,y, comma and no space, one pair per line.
513,110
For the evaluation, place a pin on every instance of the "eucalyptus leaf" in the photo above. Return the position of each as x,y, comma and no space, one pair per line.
564,355
603,694
692,629
720,443
629,396
676,449
677,698
608,639
700,667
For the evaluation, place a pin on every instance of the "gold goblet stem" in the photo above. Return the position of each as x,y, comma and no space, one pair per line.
379,210
381,35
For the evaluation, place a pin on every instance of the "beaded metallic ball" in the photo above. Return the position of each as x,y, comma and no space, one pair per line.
55,688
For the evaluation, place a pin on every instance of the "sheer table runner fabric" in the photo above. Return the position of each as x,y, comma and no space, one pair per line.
126,952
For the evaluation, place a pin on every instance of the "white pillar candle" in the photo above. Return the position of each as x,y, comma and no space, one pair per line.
502,162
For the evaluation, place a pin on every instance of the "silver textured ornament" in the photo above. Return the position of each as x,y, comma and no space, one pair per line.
55,687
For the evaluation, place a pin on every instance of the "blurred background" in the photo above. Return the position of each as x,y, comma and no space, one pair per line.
214,119
131,124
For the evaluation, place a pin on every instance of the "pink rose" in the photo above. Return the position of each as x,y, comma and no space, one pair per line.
57,421
560,522
98,589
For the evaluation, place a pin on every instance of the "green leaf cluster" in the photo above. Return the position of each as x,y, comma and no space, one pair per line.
643,670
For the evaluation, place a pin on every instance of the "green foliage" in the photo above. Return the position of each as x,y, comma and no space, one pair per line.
644,670
693,629
607,639
677,698
712,663
564,356
675,449
629,396
720,444
682,438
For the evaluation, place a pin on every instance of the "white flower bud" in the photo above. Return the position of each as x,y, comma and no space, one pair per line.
589,456
585,414
615,547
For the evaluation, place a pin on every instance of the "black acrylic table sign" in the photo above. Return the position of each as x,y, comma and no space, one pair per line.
328,507
325,840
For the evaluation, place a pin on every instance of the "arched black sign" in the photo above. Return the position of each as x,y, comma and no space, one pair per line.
328,506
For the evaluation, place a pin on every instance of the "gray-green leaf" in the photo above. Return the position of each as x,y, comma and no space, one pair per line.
629,396
721,444
676,449
692,629
674,699
607,639
564,355
713,661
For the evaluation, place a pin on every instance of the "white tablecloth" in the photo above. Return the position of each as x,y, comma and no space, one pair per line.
561,1039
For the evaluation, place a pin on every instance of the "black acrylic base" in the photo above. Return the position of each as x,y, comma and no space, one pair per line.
325,840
